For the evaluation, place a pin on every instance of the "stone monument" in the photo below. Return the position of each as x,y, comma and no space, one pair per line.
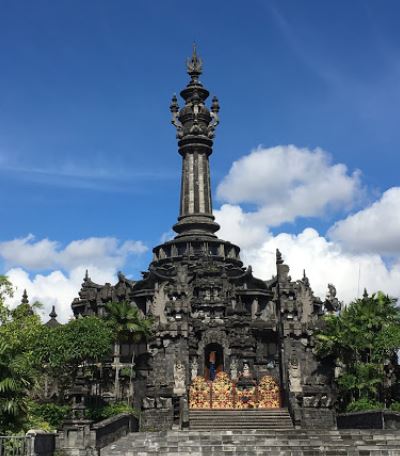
205,301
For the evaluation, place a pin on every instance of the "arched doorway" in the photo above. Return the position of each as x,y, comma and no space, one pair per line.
213,360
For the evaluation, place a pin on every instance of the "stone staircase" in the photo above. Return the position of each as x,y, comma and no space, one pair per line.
294,442
227,420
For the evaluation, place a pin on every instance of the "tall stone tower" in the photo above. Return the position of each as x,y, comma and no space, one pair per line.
223,338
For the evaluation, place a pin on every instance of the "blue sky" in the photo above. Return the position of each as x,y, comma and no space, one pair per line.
86,145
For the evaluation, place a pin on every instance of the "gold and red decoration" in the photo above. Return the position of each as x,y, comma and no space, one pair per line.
200,394
246,397
223,393
268,393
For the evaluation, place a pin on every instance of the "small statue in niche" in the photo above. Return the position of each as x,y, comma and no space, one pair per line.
179,378
246,371
234,369
194,369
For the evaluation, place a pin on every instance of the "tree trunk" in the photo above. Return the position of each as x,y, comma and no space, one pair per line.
117,352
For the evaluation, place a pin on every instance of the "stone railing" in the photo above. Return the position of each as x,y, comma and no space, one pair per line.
374,419
111,429
84,438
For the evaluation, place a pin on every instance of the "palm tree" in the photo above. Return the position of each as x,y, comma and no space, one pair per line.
14,384
131,326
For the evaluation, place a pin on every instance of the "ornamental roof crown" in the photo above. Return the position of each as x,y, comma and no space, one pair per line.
195,119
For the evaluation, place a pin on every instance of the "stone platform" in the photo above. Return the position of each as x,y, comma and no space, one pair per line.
293,442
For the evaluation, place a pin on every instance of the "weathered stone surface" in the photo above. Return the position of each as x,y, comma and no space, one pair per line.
282,443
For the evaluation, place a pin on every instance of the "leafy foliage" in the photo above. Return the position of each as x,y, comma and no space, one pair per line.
128,322
364,339
48,415
106,411
364,404
14,385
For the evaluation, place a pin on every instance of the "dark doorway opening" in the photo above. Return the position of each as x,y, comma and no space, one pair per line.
214,360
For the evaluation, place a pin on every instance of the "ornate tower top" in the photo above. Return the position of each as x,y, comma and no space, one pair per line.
195,122
195,127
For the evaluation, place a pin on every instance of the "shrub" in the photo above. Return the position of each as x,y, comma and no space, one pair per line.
47,416
98,413
363,405
395,407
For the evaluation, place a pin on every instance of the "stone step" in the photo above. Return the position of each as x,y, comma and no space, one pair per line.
205,420
293,442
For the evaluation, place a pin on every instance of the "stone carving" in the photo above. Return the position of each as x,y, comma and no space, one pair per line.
179,379
234,369
157,307
194,369
246,371
332,304
295,376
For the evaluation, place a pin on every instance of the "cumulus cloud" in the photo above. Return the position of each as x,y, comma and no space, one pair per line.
57,288
325,262
67,265
286,182
46,254
373,229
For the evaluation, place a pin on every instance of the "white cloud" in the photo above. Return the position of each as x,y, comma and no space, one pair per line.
373,229
325,262
102,256
286,182
57,288
45,254
238,226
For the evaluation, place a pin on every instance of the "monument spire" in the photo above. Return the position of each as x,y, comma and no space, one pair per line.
195,124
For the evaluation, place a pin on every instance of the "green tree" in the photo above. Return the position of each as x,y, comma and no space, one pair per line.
363,339
130,327
15,382
81,342
20,330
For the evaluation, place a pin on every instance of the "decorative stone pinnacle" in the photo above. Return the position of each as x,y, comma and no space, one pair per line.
279,259
53,313
194,64
24,299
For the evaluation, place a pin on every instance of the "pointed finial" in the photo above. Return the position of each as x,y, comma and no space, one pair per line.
305,278
365,294
53,313
279,259
194,64
24,299
86,278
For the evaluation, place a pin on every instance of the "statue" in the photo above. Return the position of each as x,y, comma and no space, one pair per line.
234,369
246,371
195,368
332,304
179,378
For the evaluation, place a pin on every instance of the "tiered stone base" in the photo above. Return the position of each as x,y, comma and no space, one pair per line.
293,442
